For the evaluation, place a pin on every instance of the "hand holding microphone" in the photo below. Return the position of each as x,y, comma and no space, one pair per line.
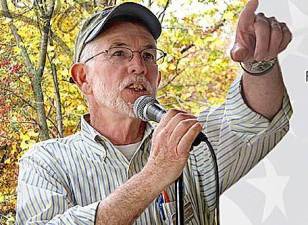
172,138
147,108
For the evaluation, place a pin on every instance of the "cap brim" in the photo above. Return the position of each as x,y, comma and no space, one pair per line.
132,10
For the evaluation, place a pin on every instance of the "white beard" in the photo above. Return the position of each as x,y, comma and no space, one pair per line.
113,100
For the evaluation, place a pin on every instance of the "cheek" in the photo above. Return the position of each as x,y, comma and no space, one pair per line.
153,77
104,77
98,84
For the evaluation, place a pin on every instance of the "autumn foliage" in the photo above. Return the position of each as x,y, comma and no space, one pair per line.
36,46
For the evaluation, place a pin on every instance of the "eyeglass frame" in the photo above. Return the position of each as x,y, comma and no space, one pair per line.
132,55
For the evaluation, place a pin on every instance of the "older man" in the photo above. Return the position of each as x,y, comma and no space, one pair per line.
116,170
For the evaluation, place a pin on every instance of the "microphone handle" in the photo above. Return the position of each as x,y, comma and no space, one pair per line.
155,112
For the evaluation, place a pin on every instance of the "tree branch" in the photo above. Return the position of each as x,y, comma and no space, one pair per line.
18,96
58,105
162,13
186,49
150,2
17,37
34,23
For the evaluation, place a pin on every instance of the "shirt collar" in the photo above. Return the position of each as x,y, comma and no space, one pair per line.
89,134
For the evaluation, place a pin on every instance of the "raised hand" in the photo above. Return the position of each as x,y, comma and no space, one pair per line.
258,37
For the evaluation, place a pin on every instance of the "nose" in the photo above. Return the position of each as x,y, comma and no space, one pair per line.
137,65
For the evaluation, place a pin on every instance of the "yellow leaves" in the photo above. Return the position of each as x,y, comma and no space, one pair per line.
1,198
81,108
7,161
161,3
228,15
27,139
171,67
136,1
26,145
51,50
10,219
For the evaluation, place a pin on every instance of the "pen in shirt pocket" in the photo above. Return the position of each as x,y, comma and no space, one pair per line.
166,196
159,203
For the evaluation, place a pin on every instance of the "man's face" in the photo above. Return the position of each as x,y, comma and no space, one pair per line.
117,86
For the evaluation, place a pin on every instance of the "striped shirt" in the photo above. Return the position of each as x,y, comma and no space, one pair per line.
62,181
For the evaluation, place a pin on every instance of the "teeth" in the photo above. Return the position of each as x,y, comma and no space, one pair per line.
137,87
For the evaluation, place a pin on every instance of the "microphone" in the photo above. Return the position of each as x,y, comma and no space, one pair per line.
147,108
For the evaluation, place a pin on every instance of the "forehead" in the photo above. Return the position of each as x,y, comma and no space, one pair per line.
130,33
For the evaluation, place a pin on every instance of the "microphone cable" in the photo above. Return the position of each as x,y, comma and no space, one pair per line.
217,192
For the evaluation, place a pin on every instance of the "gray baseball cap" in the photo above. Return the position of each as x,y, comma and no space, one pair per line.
94,25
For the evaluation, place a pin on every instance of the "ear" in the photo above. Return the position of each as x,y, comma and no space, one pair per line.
79,75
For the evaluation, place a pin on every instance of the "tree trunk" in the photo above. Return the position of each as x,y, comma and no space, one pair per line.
40,109
59,118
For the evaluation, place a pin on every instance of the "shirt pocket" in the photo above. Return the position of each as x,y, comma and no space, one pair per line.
170,212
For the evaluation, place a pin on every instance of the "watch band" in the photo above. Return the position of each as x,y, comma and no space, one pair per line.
258,68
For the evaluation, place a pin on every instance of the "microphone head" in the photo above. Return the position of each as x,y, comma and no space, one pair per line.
140,106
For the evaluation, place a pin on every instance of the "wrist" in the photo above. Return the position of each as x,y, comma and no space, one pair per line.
155,178
259,68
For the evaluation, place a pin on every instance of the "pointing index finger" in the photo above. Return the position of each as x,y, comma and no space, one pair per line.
247,16
252,5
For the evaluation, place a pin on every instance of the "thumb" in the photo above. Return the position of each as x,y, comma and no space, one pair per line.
239,53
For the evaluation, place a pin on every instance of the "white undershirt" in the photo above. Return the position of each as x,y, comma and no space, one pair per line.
128,150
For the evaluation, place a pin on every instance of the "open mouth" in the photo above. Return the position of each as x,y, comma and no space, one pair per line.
136,87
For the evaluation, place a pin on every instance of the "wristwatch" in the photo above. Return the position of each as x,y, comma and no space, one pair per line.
258,68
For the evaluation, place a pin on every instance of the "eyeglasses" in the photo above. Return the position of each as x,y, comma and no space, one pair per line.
120,55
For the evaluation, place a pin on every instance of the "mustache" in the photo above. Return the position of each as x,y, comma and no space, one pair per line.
137,79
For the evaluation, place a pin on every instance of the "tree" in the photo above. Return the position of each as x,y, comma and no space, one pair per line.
37,101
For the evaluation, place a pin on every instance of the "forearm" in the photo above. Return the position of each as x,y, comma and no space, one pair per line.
264,94
171,144
128,201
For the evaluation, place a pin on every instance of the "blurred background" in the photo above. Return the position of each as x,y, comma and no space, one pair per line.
37,102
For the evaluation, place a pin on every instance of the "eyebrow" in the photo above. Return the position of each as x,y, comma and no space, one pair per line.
117,44
120,44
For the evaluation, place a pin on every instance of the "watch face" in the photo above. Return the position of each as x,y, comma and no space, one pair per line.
258,68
